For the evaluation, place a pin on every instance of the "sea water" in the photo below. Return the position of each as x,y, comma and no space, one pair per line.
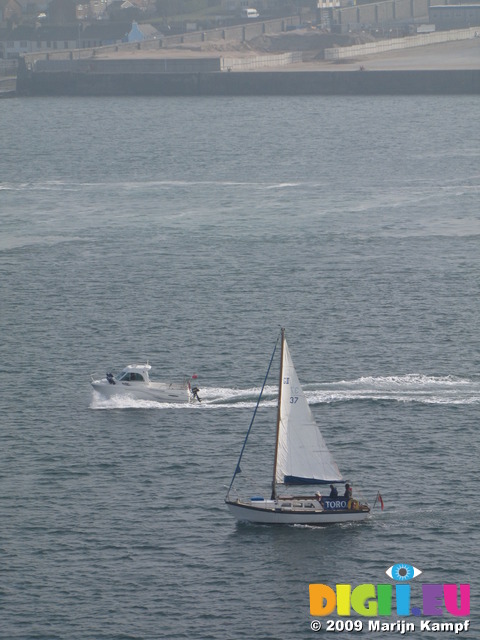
186,232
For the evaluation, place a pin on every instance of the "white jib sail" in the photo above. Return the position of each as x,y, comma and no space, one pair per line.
302,453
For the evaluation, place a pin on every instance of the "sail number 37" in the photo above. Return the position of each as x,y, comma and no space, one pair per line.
293,398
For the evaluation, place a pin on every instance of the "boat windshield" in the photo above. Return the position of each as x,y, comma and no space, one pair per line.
130,376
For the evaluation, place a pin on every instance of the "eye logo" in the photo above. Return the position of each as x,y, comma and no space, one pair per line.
402,572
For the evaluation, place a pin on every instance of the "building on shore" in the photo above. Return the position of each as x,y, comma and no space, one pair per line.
454,16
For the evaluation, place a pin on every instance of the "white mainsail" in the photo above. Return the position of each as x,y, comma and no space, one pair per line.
302,455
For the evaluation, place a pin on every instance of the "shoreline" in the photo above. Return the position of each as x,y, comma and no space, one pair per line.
451,68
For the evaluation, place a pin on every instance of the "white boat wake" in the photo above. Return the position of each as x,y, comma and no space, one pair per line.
415,387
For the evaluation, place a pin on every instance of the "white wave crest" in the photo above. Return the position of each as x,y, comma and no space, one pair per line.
412,387
410,380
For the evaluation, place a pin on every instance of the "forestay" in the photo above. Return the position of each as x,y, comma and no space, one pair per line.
302,455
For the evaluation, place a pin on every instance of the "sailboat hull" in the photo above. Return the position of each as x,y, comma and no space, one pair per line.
272,512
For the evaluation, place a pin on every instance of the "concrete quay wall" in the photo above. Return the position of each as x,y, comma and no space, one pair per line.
166,65
372,48
266,83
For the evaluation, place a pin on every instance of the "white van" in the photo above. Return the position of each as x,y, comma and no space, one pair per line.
250,13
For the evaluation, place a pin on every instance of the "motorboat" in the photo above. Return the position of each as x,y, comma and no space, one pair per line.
134,381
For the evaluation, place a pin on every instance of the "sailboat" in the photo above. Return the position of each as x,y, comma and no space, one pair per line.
301,458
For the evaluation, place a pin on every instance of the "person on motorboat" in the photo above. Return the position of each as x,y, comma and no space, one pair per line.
195,391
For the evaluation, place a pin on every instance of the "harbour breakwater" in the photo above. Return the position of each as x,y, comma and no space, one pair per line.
261,83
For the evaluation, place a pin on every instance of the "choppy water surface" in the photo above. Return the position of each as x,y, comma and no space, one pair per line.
186,232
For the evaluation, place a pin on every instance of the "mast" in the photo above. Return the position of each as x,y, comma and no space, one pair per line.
280,380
